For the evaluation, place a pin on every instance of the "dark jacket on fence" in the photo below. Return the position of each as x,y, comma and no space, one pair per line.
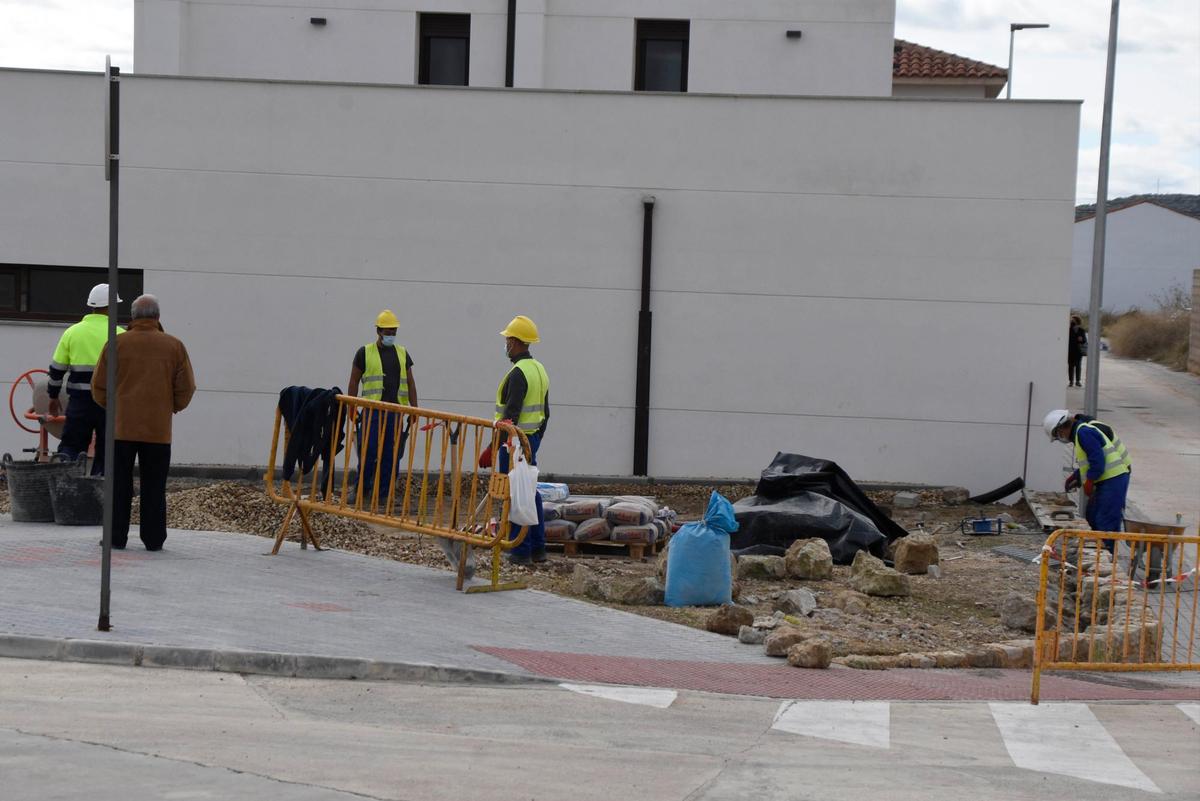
311,416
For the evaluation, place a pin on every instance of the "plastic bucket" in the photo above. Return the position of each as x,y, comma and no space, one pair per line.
29,488
77,500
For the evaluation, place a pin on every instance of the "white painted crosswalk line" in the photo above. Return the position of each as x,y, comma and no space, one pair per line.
857,722
646,696
1191,710
1066,739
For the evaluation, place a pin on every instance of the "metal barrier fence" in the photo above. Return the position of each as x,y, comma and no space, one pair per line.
435,488
1098,612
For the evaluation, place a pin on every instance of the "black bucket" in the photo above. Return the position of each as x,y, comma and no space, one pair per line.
78,500
29,488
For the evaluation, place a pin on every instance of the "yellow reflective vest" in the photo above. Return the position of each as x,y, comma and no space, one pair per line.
75,358
537,387
372,377
1116,457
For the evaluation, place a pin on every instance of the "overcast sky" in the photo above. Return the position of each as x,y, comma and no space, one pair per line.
1156,131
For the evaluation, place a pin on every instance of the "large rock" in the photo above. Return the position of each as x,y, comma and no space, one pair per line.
871,576
1019,612
761,567
751,635
1128,643
812,653
796,602
586,582
906,500
779,641
955,496
851,602
915,553
645,591
729,619
809,559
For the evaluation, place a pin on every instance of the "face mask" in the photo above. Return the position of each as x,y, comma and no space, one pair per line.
389,340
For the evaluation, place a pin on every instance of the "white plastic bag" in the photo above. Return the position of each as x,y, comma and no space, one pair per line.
522,489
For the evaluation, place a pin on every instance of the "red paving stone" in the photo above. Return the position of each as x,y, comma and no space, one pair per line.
783,681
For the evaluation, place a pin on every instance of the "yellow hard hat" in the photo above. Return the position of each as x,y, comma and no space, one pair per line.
523,329
386,320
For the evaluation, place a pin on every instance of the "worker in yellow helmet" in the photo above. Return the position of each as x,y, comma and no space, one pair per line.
384,370
523,398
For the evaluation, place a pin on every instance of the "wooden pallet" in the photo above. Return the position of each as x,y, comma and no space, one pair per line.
606,548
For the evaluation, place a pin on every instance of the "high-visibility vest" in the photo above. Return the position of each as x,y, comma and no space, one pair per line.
533,407
372,377
1116,457
78,351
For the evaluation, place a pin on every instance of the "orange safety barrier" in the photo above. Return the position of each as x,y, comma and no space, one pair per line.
1097,612
436,488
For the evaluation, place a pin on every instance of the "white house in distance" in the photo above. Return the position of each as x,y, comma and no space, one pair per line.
1152,244
833,270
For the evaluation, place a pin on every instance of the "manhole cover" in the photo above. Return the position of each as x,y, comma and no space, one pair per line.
1026,555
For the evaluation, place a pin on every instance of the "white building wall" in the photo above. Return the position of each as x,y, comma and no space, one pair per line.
940,90
1148,250
846,48
843,278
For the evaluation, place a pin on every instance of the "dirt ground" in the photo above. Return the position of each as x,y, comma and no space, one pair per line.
952,612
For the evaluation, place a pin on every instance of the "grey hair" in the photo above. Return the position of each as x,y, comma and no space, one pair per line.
144,307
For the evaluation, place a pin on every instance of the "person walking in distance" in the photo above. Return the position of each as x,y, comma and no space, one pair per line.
384,370
523,399
1076,350
154,382
74,361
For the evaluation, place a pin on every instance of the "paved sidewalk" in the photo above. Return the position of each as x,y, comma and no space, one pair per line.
215,601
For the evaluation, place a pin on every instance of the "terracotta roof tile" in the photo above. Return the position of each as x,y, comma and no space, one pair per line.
1188,205
917,61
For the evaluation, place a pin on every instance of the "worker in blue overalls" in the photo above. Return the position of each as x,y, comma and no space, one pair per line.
1103,467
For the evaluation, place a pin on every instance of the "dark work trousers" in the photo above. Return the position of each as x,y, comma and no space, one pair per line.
1073,366
84,418
154,462
371,454
1106,507
535,538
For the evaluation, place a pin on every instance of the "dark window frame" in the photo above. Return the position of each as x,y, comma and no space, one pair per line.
26,308
442,26
660,30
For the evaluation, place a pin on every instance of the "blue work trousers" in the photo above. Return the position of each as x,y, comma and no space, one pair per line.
85,418
370,456
535,539
1106,507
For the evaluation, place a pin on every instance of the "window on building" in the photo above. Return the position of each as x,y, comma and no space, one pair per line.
662,55
51,293
445,53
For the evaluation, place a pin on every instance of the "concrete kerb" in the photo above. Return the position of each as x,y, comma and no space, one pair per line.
266,663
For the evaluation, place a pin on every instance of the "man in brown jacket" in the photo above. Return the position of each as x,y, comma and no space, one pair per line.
154,380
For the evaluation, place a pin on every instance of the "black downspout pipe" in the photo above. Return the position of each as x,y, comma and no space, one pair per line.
641,413
510,53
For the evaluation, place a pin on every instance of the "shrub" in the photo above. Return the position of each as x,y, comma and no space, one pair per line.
1161,336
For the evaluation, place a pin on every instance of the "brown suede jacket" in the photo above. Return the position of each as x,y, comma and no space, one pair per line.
154,380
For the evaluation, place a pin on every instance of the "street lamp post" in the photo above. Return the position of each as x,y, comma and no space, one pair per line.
1012,30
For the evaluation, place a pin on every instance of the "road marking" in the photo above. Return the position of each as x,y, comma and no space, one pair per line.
858,722
646,696
1066,739
1192,711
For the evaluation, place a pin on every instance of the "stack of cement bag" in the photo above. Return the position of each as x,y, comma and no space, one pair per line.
625,518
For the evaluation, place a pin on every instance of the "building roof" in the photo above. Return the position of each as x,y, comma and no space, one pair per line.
1188,205
920,62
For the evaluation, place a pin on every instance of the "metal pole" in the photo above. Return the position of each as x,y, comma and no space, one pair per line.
1028,420
1091,393
1012,32
112,149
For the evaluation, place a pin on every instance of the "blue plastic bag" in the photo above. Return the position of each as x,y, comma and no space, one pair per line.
698,572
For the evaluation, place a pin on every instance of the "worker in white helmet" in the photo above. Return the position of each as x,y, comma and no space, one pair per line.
74,361
1103,467
384,369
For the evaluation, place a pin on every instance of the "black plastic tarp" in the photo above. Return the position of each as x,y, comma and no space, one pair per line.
799,497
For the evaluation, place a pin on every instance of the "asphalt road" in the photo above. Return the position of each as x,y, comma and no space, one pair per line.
106,733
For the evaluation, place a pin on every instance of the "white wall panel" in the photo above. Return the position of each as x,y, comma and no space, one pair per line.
847,278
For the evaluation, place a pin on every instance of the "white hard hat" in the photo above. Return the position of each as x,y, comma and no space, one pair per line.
1054,419
98,297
